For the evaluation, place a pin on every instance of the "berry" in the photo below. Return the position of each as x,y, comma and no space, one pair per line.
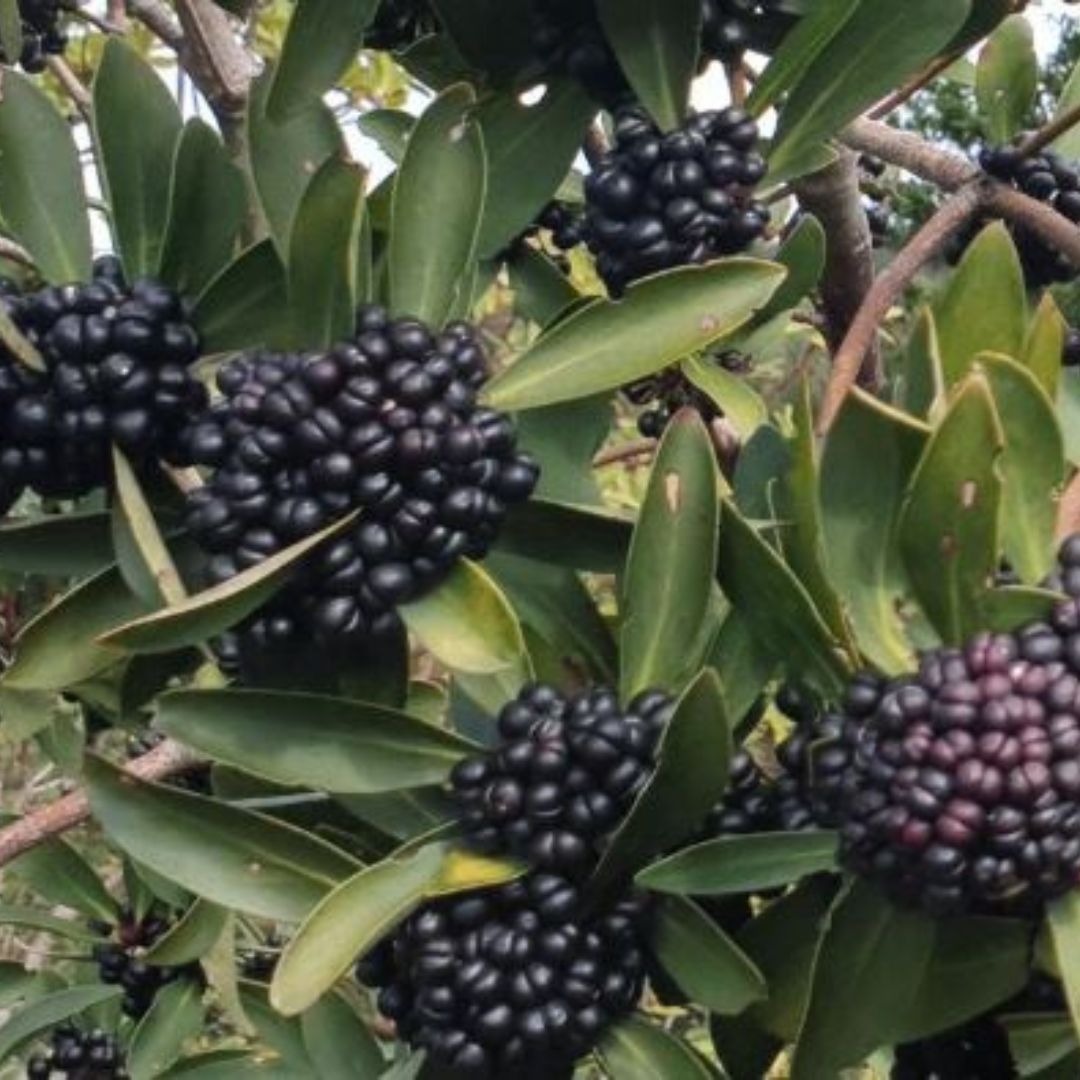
80,1055
41,34
387,424
510,981
564,774
117,365
658,201
730,27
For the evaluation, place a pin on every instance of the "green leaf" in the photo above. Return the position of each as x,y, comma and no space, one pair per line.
246,305
1007,78
137,127
324,256
949,524
47,1012
803,253
1044,345
439,198
41,183
861,497
672,562
283,157
731,865
1068,143
157,1042
32,918
230,856
1032,466
389,128
775,604
468,624
867,971
208,613
692,770
343,746
662,319
923,380
1063,919
541,290
564,439
188,940
207,207
339,1043
656,44
708,966
1039,1042
357,915
744,665
320,45
875,50
60,545
59,648
1003,610
530,149
737,400
636,1049
578,537
809,37
984,308
11,28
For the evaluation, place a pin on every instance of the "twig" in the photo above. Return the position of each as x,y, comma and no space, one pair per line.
905,93
887,289
158,19
35,828
625,452
1068,516
72,85
1050,132
106,25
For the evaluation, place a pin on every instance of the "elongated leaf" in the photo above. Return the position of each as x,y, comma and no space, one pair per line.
739,402
321,43
661,320
342,746
230,856
355,916
439,198
984,308
1040,1042
708,966
742,864
692,772
1044,344
1068,143
46,1012
656,43
137,126
324,256
1064,923
468,624
578,537
59,648
208,613
635,1048
949,525
207,205
530,149
923,386
875,50
41,183
33,919
175,1016
339,1043
285,156
803,253
61,545
11,28
191,938
861,497
246,304
1007,78
672,562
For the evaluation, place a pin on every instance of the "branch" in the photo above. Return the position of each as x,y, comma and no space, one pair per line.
1046,222
906,92
158,19
1068,516
625,452
72,85
925,245
1051,132
216,59
35,828
832,196
915,155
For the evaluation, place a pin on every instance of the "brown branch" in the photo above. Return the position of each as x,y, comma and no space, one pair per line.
1068,515
625,452
72,85
215,58
832,196
905,93
159,20
1052,131
925,245
949,171
35,828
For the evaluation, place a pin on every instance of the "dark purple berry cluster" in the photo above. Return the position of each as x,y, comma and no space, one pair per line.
120,961
117,370
511,981
564,774
42,35
399,24
731,27
387,423
1045,176
79,1055
659,201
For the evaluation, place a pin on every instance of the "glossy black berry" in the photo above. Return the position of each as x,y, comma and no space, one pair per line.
79,1054
42,35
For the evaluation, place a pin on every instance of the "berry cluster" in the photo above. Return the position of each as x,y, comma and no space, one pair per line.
80,1055
120,964
1044,176
965,786
730,27
564,774
399,24
116,371
510,981
387,423
658,201
41,34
